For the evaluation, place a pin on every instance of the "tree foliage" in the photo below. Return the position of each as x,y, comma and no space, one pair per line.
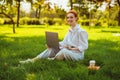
5,9
87,9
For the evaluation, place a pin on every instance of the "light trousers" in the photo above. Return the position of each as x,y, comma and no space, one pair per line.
67,54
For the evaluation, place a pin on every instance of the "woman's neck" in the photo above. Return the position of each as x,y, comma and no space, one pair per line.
72,26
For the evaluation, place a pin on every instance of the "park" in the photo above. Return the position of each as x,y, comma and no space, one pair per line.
22,36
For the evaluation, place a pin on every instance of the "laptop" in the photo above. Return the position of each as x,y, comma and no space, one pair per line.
52,39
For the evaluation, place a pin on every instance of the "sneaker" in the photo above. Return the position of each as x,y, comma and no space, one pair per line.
26,61
50,58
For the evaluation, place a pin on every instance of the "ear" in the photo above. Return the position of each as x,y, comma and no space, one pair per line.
76,18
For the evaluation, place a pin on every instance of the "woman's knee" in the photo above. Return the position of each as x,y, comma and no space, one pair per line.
60,54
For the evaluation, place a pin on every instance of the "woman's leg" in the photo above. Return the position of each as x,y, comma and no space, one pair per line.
45,54
66,54
63,55
50,52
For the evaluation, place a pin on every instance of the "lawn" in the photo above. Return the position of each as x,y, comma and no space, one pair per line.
29,41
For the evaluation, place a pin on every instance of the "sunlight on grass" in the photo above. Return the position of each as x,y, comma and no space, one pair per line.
29,41
31,76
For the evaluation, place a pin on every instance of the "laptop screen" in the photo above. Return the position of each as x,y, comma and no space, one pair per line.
52,39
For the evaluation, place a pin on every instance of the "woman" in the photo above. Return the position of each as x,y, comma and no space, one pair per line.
73,45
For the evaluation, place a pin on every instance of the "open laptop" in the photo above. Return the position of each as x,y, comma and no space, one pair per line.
52,39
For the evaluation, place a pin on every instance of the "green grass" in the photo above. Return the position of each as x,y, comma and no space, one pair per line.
29,41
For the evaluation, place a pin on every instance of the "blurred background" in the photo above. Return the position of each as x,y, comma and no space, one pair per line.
103,13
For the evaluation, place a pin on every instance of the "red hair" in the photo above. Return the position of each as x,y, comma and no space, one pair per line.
74,13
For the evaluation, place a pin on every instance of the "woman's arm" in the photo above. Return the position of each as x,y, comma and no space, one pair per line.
83,41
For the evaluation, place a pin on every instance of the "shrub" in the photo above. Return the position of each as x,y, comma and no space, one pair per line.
58,21
113,23
1,21
24,20
31,21
50,22
7,21
84,22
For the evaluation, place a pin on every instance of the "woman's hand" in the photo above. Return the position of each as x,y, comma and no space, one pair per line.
71,48
76,49
68,47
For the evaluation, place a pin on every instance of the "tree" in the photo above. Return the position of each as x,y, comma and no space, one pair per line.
118,1
84,9
18,11
38,6
4,11
109,2
10,19
71,4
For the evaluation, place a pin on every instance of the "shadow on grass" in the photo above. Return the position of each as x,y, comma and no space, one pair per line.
102,51
13,49
106,54
110,31
25,47
20,47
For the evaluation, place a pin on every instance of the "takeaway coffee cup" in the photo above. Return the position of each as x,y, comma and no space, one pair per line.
92,63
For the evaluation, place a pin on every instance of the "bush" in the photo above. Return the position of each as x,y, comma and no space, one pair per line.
105,23
31,21
24,20
58,21
98,23
51,22
84,22
1,21
113,23
7,21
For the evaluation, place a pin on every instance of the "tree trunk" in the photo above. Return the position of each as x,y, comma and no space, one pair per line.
119,17
71,4
10,19
36,13
90,17
18,13
109,15
39,12
118,12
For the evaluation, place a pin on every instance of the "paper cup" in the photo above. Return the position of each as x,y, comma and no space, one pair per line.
92,62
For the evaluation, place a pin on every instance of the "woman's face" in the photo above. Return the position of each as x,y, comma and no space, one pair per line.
71,19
